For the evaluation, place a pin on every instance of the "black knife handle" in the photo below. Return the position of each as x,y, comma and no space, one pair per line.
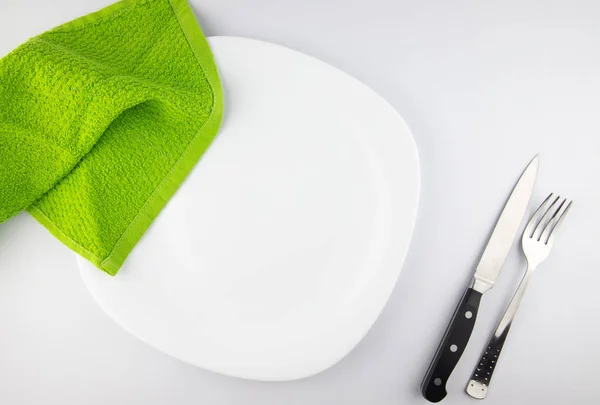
452,347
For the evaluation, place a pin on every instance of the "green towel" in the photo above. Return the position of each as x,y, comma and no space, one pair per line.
101,119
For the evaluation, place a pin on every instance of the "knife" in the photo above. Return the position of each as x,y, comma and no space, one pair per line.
459,330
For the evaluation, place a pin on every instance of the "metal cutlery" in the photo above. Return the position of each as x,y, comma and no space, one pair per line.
461,326
537,242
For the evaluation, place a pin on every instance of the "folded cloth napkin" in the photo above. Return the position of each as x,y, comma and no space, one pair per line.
101,119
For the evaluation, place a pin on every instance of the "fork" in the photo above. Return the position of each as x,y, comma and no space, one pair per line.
537,242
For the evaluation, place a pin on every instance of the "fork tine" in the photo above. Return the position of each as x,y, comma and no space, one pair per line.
558,222
552,222
535,219
550,212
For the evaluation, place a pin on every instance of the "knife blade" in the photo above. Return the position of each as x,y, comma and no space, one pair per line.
461,326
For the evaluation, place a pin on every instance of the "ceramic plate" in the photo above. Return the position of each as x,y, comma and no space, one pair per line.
281,248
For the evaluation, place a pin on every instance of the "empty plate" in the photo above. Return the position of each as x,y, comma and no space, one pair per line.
281,248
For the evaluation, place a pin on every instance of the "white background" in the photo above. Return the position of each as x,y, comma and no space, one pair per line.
484,86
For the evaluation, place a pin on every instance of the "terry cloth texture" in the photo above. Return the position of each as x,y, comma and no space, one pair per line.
101,119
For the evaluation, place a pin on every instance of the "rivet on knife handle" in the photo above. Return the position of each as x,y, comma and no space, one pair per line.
453,344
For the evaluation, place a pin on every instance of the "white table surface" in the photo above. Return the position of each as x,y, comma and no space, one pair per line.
483,86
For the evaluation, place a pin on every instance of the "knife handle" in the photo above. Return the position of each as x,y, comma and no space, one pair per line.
452,347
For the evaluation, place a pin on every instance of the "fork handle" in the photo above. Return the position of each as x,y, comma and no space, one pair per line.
482,375
452,346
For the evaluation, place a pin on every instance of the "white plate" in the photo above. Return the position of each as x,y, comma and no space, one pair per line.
280,250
